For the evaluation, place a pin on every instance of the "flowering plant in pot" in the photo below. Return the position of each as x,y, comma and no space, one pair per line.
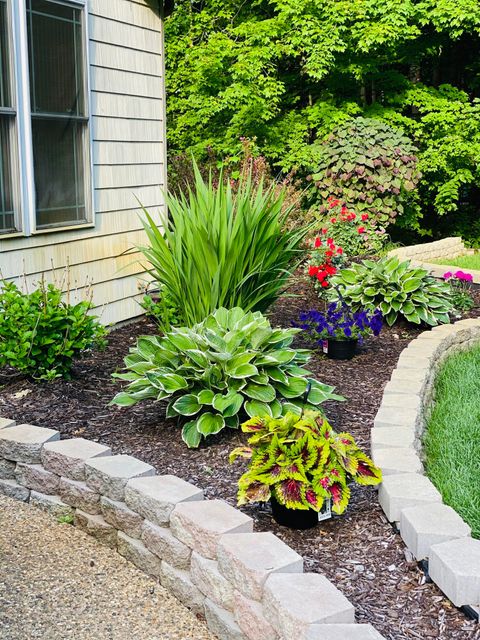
461,285
339,329
300,463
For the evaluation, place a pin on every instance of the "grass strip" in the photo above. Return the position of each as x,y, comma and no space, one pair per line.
462,262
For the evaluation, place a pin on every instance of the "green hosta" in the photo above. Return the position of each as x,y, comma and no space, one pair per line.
231,363
302,462
396,288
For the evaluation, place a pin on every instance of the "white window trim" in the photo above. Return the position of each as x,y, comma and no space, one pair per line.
25,218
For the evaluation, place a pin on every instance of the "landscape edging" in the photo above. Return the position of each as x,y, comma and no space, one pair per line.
431,530
202,551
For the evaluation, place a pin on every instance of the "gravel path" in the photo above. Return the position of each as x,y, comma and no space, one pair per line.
57,583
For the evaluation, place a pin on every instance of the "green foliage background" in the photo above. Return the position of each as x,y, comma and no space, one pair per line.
286,72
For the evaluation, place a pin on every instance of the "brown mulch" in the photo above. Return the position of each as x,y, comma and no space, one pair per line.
359,551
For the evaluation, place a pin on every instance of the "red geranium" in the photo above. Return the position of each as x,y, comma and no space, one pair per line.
364,216
318,243
361,229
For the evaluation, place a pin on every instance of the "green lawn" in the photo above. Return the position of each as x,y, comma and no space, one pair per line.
463,262
452,438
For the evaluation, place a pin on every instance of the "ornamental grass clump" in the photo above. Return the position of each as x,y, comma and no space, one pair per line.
231,365
340,323
301,461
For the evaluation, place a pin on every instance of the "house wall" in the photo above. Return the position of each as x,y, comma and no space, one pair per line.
129,161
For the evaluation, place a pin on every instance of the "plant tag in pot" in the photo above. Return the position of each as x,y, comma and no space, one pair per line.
325,512
325,346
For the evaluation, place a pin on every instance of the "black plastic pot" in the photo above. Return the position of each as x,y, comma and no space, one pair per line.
341,349
293,518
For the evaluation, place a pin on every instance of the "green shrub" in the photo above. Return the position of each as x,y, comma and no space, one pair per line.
40,334
368,166
161,310
396,288
232,362
221,249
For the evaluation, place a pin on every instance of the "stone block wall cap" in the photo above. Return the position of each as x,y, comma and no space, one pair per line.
461,555
28,434
342,632
5,422
455,567
68,457
166,487
120,466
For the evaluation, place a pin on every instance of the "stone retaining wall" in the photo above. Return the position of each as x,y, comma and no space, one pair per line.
430,529
248,586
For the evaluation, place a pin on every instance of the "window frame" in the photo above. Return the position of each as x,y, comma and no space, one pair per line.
25,217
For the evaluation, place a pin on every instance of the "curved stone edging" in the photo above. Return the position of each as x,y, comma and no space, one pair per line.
248,586
430,529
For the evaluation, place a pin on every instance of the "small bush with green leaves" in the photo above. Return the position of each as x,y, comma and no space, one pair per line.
230,364
161,310
397,289
40,334
368,166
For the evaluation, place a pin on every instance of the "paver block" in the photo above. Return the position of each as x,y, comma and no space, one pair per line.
392,437
396,417
420,376
121,517
155,498
180,584
222,623
206,576
200,524
404,387
5,422
7,469
455,567
426,525
293,602
342,632
401,400
78,494
250,618
51,504
136,552
395,460
96,527
412,361
109,475
405,490
35,477
161,542
12,489
67,457
24,442
247,559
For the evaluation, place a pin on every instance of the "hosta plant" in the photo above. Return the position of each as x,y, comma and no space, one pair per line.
301,461
397,289
231,364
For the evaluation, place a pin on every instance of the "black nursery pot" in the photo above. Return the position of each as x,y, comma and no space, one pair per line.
293,518
341,349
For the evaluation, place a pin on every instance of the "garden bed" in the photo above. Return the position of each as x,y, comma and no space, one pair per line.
359,552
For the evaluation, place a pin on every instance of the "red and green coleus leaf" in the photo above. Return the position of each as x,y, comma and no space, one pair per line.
340,494
291,493
251,490
240,452
254,425
367,473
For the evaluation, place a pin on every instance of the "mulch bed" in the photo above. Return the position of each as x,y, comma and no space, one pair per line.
359,551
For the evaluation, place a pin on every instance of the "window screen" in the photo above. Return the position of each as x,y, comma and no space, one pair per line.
7,121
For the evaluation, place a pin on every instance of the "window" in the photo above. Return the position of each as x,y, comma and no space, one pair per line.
55,118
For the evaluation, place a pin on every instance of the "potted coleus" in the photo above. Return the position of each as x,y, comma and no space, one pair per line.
339,329
301,464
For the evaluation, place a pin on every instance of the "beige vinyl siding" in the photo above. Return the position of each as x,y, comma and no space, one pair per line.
127,112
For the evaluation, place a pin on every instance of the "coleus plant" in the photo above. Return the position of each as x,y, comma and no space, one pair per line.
229,366
301,462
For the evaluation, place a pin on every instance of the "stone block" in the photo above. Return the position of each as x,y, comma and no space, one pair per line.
342,632
136,552
161,542
178,582
395,460
222,623
200,525
392,437
247,559
404,387
78,495
411,361
51,504
421,376
401,400
250,618
294,602
67,457
396,417
24,442
35,477
7,469
426,525
206,576
121,517
96,527
12,489
155,498
109,475
405,490
455,567
5,422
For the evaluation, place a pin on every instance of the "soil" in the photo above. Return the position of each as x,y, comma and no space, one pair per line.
359,552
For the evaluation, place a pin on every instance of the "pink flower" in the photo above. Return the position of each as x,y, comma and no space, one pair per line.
461,275
447,275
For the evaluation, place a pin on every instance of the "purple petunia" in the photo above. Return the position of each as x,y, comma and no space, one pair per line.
340,322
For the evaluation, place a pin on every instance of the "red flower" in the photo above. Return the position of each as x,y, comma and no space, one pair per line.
312,271
324,284
329,240
324,231
361,229
364,216
339,251
351,216
329,254
318,242
333,220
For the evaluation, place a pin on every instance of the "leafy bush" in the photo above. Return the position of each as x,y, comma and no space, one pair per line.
461,288
396,288
231,362
221,249
40,334
162,310
301,461
368,166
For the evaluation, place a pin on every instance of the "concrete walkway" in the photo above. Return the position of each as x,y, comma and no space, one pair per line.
57,583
